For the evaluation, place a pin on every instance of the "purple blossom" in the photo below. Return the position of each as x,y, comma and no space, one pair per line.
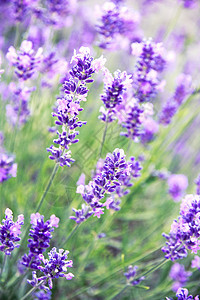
184,234
177,183
117,22
130,275
189,3
54,267
21,8
8,168
182,294
179,276
197,182
196,262
42,295
68,105
40,234
10,231
17,111
113,179
26,61
150,62
150,127
114,90
172,105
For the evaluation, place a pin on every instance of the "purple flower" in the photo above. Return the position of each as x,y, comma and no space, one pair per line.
26,61
113,179
189,3
182,294
197,181
8,168
54,267
18,111
116,23
130,275
68,105
150,127
184,232
172,105
150,62
10,231
177,183
114,90
179,276
196,262
42,295
40,234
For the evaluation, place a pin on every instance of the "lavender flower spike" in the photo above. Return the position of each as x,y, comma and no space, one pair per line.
179,276
25,60
68,105
8,168
9,232
54,267
40,234
182,294
130,275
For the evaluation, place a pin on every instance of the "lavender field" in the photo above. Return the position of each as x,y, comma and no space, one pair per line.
99,149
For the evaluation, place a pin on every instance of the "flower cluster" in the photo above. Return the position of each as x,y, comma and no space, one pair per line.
179,276
113,179
40,234
189,3
10,231
177,183
18,111
26,61
130,275
68,106
184,234
182,294
150,62
114,92
117,22
8,168
170,108
54,267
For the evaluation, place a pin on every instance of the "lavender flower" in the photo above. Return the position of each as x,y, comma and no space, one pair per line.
42,295
179,276
197,181
177,183
54,267
196,262
182,294
18,111
68,106
26,61
10,231
114,90
117,21
112,179
130,275
184,234
189,3
21,8
40,234
8,168
150,62
172,105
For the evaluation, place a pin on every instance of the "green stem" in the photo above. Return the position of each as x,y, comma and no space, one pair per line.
53,174
32,290
103,139
119,293
3,265
70,235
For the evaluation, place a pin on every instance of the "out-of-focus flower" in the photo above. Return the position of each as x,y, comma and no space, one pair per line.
177,183
26,60
179,276
130,275
8,168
